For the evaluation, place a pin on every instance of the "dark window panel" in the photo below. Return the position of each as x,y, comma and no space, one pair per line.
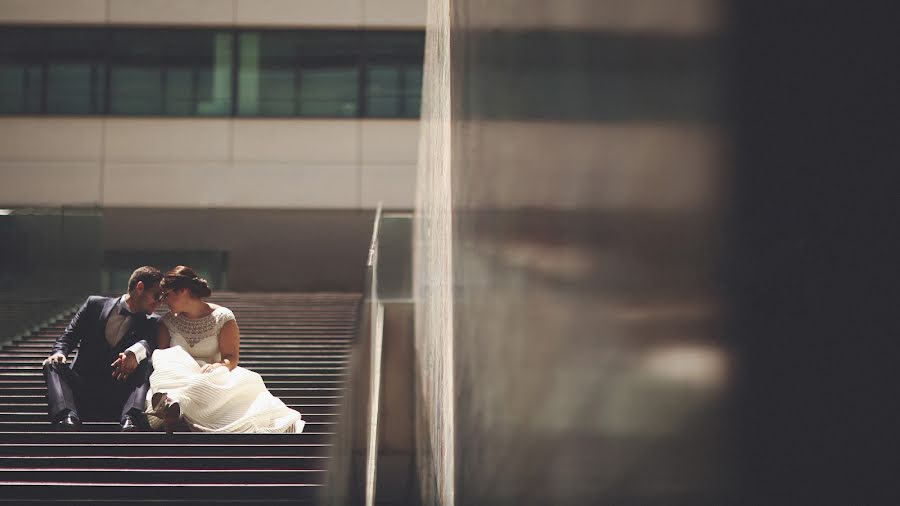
21,75
171,72
393,66
74,70
298,73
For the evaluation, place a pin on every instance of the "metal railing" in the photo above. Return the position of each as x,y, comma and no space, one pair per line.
377,335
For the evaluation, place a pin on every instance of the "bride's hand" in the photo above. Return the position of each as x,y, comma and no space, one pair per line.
210,367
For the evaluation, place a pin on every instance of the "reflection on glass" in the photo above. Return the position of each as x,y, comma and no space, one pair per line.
298,73
74,75
20,88
393,74
393,91
185,73
21,77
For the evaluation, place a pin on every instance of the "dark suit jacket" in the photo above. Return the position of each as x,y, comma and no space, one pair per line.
87,332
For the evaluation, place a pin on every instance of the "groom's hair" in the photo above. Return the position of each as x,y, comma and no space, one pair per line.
149,275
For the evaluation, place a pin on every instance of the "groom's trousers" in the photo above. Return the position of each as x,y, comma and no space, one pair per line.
95,398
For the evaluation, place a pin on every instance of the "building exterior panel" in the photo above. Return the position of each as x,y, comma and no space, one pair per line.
325,13
53,11
51,139
320,141
294,185
168,12
49,183
394,185
161,140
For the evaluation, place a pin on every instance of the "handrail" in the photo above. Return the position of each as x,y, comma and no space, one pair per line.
377,327
373,245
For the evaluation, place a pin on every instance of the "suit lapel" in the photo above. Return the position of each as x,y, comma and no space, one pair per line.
107,308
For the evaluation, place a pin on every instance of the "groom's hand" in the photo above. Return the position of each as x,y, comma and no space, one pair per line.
124,365
55,358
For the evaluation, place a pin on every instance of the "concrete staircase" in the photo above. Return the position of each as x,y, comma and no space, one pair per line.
299,343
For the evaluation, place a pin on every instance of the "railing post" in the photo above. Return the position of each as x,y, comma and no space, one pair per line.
376,325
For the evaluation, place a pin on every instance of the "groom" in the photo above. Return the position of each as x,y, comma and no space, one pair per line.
109,377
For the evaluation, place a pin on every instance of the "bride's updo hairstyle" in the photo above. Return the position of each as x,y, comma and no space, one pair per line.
185,277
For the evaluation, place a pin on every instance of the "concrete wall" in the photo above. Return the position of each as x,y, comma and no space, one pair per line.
293,13
124,162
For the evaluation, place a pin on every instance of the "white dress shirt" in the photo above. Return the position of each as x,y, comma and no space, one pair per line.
118,324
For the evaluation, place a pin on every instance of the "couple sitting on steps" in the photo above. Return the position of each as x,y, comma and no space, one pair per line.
146,375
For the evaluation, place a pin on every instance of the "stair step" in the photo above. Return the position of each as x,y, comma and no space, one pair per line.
10,407
278,389
176,461
92,492
130,450
261,355
308,436
41,400
268,346
262,369
44,425
37,416
37,376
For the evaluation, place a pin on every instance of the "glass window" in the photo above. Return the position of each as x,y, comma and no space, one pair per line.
299,73
75,73
394,73
171,72
192,72
21,71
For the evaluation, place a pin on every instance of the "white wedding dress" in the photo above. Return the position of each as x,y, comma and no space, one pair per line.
217,401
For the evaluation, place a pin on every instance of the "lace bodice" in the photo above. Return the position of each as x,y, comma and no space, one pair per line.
199,336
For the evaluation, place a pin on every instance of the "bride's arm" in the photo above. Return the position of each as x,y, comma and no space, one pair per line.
163,339
230,344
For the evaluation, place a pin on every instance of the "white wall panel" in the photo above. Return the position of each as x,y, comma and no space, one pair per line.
294,185
395,13
63,139
189,12
53,11
328,141
186,184
393,185
208,162
300,12
329,13
390,141
49,183
176,140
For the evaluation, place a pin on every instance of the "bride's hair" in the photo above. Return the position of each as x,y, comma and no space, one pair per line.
185,277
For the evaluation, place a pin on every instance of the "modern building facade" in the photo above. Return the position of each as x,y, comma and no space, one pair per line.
229,134
210,103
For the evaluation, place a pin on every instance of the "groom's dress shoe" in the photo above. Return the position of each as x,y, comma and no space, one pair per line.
132,424
69,423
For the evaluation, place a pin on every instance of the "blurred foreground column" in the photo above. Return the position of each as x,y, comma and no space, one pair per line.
567,318
650,256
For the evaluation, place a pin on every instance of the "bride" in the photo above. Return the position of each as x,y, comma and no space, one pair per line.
196,377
